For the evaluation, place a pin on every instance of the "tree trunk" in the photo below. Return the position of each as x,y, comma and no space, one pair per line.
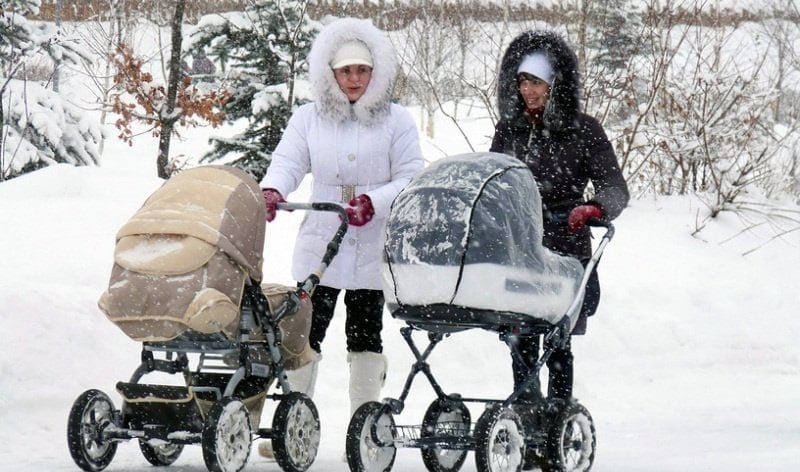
2,135
57,66
168,117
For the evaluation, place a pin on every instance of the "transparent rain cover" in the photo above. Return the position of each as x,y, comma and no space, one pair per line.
467,231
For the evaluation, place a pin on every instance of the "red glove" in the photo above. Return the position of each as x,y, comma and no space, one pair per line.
271,198
581,214
360,211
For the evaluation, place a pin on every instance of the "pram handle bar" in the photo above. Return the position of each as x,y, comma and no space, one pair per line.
568,322
333,245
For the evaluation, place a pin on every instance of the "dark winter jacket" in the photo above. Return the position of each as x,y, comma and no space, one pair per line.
566,151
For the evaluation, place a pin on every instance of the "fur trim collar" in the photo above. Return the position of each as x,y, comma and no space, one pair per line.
563,106
332,103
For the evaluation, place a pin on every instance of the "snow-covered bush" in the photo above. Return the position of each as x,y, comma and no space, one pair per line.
38,126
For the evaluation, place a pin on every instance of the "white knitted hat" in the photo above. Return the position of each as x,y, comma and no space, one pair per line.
537,64
351,53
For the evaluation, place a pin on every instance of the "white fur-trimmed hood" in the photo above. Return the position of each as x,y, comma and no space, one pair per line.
332,103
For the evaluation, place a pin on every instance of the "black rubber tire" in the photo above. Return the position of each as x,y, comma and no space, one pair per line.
445,417
364,454
571,440
499,440
90,414
227,436
296,430
161,455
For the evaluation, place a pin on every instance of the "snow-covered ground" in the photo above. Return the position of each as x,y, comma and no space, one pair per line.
691,364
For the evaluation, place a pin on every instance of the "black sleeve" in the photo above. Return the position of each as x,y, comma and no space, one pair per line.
611,190
501,141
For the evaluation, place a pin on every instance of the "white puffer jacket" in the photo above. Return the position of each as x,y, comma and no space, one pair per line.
372,145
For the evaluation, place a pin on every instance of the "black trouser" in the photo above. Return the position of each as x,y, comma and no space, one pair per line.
560,363
364,318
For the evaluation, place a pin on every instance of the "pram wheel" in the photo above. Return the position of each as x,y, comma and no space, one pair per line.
226,437
162,454
445,418
571,440
500,440
296,428
91,413
370,439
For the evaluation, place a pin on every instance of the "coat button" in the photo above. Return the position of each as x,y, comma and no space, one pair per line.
351,157
352,241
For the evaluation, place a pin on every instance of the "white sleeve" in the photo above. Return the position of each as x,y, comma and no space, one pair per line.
290,159
405,159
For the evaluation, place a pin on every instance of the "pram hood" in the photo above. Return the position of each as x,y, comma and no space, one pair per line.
467,231
203,208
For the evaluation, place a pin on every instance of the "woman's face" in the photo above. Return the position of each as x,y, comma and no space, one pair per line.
353,80
534,91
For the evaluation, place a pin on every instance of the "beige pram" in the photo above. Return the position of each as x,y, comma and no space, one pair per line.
186,283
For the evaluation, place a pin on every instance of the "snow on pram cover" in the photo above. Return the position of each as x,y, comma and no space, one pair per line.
467,232
182,261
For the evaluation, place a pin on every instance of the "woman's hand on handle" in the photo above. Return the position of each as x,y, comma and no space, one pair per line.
581,214
360,210
271,199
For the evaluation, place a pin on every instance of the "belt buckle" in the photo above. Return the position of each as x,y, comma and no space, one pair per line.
348,193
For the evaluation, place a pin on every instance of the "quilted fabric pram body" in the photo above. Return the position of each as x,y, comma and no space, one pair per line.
182,260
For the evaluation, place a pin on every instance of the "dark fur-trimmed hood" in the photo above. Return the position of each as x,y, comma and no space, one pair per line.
331,101
564,104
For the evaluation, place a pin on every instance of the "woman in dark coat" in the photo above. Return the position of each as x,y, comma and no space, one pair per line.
541,124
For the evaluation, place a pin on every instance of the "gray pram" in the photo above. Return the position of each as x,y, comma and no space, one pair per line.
463,250
186,283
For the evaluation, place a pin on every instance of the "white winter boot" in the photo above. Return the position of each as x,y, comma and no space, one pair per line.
305,378
367,376
300,380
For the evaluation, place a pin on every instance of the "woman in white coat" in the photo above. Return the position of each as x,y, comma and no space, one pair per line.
361,150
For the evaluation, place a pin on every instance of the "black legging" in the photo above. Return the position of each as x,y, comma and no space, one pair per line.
364,318
560,363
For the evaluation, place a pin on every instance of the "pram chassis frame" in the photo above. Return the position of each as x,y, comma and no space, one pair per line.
457,442
213,351
509,326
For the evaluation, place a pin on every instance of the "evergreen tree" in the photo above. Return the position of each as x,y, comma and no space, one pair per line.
38,127
15,31
616,25
609,40
262,52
